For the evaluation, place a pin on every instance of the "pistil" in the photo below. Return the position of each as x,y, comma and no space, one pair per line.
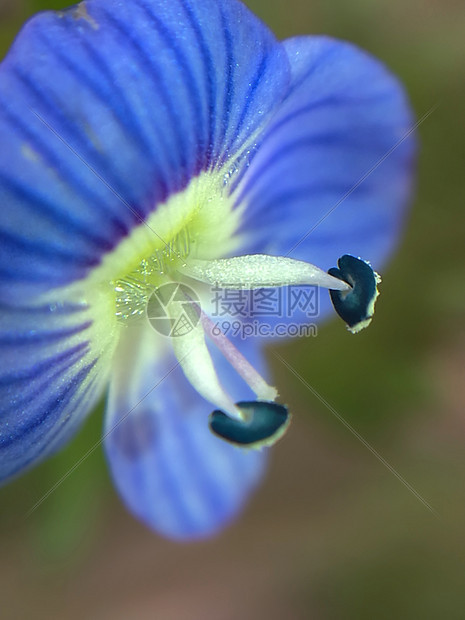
244,368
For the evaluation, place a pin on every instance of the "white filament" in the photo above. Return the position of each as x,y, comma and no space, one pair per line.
260,271
195,360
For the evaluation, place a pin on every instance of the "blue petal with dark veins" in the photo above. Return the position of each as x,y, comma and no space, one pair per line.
109,108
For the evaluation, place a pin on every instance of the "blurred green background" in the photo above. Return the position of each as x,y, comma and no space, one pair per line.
332,534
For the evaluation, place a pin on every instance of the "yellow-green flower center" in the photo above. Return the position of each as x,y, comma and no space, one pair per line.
198,222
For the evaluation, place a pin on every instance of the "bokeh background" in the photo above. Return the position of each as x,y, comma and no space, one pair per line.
332,533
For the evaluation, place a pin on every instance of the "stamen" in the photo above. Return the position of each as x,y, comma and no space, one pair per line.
244,368
260,271
195,360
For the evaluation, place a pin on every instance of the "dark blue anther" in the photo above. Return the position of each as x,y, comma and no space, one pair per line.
356,306
265,423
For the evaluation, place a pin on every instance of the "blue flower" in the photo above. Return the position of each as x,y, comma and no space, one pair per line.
146,142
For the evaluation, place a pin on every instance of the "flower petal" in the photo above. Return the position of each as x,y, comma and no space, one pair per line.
171,471
333,170
54,361
109,108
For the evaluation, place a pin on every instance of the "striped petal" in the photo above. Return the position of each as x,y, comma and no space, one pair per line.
333,170
54,363
170,470
109,108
